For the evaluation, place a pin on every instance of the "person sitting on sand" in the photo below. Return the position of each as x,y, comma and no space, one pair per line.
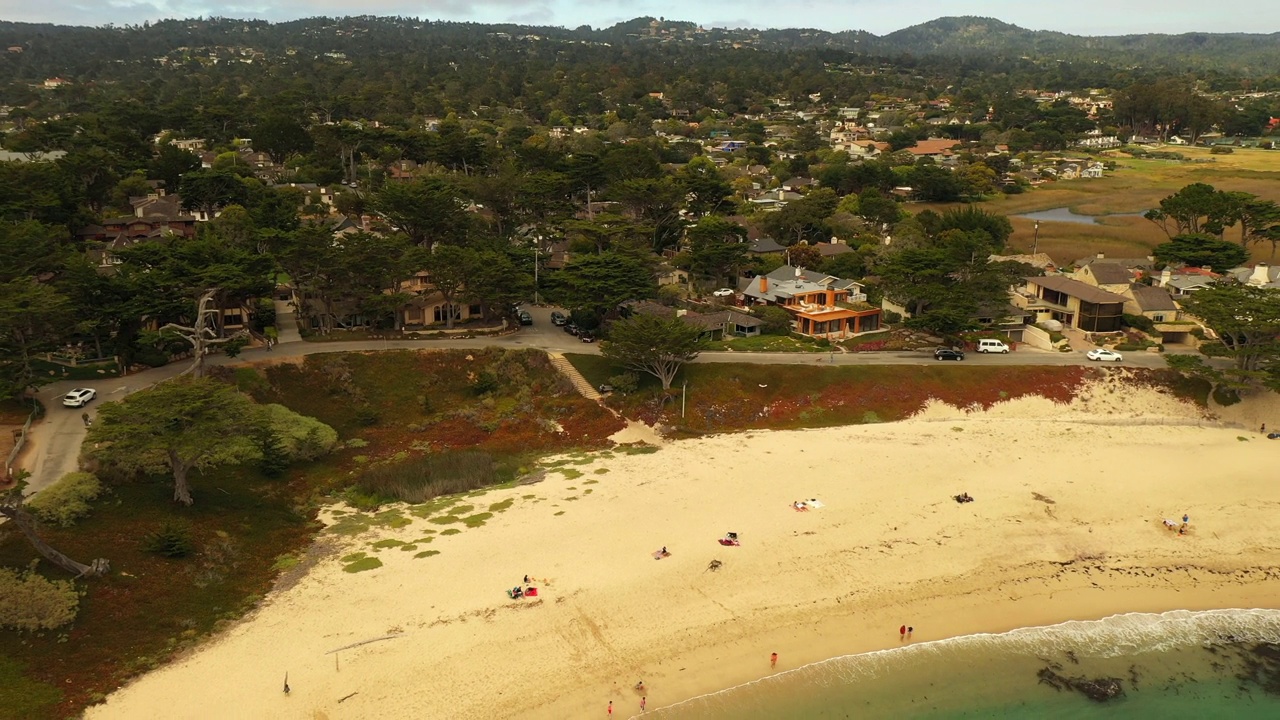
640,686
517,592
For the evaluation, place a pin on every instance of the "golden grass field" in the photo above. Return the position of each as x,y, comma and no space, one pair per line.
1136,186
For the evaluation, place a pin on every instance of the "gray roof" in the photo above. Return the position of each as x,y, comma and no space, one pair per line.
788,281
1152,298
720,319
765,245
1185,282
833,249
1075,288
1143,262
1109,273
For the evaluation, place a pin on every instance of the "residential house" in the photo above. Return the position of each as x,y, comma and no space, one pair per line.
933,148
1154,303
1093,171
731,145
668,275
403,170
774,199
1073,303
1004,318
1185,281
1145,264
833,248
1040,261
798,184
765,246
1110,276
1260,275
714,326
864,148
427,306
820,305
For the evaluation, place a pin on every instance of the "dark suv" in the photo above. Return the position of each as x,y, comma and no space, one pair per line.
558,318
948,354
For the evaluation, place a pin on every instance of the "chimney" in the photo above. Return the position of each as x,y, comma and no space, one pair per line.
1261,274
831,298
1165,276
764,283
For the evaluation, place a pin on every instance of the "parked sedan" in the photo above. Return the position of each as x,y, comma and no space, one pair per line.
1104,355
79,397
586,336
947,354
525,318
723,292
571,328
558,318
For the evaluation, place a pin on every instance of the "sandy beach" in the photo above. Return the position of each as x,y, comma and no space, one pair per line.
1066,524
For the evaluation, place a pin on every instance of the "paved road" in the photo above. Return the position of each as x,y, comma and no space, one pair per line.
55,444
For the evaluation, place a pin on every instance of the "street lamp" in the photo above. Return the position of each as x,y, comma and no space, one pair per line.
537,254
1035,244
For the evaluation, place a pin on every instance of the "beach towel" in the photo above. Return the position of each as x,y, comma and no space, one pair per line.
531,592
815,503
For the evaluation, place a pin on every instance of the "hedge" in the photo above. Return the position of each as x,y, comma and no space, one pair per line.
66,501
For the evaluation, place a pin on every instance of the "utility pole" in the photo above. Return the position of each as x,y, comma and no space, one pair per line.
537,255
1035,244
684,392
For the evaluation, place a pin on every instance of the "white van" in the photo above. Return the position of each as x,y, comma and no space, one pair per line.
992,346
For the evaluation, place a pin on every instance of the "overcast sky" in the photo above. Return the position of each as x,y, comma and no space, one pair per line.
1081,17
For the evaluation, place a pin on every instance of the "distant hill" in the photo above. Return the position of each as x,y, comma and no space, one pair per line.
968,35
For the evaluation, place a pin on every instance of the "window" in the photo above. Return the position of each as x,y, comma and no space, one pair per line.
439,313
232,318
1157,318
473,310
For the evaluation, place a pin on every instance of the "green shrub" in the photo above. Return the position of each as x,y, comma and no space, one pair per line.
1221,150
776,321
1225,396
151,357
1128,347
172,540
625,383
30,602
890,317
300,436
1141,322
367,415
67,500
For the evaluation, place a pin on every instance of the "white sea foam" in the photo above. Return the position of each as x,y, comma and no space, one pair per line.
1127,635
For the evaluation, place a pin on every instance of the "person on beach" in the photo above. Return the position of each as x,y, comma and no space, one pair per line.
910,630
1263,429
610,708
526,579
642,704
902,631
773,660
640,686
1185,519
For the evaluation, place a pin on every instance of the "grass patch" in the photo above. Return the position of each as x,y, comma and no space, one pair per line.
369,563
445,519
569,473
475,521
500,506
388,543
451,531
601,471
54,371
768,343
22,697
427,553
559,512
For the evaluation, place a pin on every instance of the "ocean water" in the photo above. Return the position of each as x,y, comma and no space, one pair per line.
1180,664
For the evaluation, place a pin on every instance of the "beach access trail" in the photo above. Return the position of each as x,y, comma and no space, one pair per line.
1066,523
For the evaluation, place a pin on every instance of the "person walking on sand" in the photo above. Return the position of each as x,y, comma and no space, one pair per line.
1263,429
642,704
773,660
909,631
902,632
610,708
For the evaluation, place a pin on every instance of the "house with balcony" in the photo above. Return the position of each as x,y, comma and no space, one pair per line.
1073,303
820,305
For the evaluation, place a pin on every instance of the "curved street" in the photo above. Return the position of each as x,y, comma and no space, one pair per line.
54,446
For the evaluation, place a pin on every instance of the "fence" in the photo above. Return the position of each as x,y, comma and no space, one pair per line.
21,440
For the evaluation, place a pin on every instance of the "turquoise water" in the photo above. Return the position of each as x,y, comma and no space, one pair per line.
1181,664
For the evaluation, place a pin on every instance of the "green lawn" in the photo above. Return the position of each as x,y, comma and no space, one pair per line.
53,371
769,343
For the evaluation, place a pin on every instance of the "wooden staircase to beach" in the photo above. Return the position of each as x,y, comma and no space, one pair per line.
567,369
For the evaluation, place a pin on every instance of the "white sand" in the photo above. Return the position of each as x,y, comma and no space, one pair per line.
1066,524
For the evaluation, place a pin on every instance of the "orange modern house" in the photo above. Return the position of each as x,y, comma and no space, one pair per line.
821,305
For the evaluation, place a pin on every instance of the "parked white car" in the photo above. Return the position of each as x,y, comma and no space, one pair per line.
723,292
79,397
1103,355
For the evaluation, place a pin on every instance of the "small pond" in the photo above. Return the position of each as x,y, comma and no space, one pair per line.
1063,214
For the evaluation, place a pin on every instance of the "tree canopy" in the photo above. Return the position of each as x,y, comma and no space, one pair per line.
658,346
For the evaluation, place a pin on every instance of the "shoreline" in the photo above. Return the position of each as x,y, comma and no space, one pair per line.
1065,526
